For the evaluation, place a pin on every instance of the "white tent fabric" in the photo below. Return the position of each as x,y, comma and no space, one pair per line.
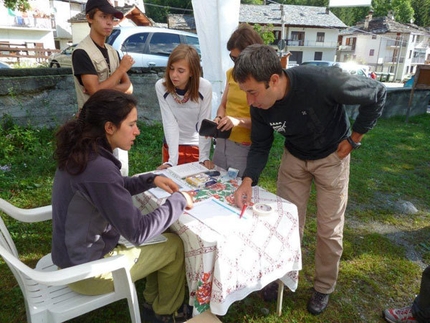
350,3
215,22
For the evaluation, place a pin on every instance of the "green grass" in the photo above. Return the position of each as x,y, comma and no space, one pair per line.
393,165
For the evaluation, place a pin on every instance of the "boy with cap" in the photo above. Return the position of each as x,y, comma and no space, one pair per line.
96,65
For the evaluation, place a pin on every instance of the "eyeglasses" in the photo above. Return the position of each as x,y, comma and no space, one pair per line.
233,58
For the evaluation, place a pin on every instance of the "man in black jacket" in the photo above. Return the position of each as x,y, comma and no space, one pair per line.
306,105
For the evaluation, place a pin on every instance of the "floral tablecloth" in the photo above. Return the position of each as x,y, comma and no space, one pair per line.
242,255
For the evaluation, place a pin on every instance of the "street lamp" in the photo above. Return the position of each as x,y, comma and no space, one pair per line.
282,42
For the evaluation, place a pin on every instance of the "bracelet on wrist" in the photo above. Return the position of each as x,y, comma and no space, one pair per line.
354,145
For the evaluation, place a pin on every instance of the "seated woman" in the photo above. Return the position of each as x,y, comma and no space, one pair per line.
92,206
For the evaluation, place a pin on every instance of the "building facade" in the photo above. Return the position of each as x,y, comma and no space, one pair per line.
386,46
308,33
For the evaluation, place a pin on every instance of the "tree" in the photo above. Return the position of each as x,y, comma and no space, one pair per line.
422,12
266,33
158,10
251,1
21,5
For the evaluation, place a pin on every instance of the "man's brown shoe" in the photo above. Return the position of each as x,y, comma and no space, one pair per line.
318,303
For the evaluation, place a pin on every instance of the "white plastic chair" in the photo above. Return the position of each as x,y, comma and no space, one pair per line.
47,297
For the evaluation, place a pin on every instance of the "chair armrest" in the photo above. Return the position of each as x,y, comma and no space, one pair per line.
37,214
67,275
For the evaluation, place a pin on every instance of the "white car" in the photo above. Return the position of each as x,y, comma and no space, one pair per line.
63,58
149,46
4,65
350,67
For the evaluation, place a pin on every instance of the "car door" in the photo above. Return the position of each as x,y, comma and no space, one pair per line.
135,46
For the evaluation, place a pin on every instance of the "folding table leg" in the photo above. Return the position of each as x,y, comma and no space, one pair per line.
280,296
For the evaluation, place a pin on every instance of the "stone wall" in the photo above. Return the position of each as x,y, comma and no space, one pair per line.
46,97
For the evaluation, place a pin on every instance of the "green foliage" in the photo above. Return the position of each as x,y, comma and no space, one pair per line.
375,271
422,12
21,5
158,10
251,2
266,33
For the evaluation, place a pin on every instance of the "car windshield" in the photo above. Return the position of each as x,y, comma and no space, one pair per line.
115,33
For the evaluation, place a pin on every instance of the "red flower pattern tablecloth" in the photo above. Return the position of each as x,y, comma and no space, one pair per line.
242,255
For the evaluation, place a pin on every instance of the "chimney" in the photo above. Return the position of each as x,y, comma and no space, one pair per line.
370,15
390,15
366,22
327,10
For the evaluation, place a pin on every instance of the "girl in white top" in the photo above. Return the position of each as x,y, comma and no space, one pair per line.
185,99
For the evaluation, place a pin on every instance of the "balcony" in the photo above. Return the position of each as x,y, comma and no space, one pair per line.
395,43
310,43
393,60
27,22
418,60
346,48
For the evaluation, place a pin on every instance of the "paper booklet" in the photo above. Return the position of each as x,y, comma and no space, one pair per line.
158,239
159,193
189,169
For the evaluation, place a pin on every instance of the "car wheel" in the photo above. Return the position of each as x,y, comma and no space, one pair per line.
54,65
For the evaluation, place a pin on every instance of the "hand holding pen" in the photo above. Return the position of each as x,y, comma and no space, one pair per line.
244,206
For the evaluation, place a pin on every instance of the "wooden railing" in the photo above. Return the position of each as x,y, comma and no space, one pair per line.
25,50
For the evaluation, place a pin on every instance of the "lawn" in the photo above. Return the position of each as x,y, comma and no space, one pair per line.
385,250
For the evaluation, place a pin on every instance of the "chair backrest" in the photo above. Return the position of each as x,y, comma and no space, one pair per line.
6,241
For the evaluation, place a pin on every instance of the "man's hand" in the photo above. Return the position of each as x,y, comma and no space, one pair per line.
127,62
166,184
243,194
343,149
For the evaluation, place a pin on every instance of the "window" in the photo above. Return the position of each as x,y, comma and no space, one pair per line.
135,43
163,43
372,52
193,41
318,56
297,38
320,37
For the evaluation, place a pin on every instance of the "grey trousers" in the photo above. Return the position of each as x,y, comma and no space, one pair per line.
230,154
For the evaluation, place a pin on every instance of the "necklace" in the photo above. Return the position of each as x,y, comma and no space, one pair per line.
180,100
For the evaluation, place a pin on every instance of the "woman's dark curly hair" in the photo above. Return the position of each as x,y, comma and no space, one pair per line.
77,138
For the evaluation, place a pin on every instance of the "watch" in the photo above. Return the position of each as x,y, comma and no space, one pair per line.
354,144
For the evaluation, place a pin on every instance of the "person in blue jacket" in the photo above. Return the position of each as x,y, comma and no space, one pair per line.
92,206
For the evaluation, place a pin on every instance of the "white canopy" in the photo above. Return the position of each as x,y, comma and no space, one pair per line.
350,3
215,22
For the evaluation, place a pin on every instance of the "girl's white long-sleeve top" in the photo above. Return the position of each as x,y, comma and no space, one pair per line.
181,122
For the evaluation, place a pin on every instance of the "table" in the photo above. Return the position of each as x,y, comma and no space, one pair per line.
225,264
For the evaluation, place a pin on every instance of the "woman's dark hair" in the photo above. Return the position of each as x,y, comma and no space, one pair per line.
242,37
77,138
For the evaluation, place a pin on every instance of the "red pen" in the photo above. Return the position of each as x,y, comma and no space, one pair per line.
243,211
